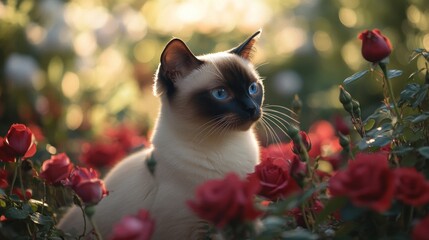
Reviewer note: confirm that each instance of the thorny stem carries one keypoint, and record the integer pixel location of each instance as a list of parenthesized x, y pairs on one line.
[(84, 222), (21, 182), (94, 226), (17, 165), (390, 89)]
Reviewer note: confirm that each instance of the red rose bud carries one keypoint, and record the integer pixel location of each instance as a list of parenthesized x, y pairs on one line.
[(18, 192), (275, 179), (367, 182), (375, 46), (298, 215), (17, 143), (411, 187), (298, 168), (86, 184), (225, 201), (138, 227), (56, 169), (296, 146), (421, 229), (3, 179)]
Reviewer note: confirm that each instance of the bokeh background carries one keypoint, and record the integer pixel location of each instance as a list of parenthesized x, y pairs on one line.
[(72, 69)]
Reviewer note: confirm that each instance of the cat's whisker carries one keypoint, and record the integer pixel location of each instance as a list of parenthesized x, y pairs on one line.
[(270, 106), (274, 135), (208, 126), (201, 129), (277, 143), (281, 113), (212, 130), (275, 119), (276, 123), (261, 123)]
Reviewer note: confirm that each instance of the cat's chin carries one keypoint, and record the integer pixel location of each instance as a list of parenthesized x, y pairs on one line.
[(245, 126)]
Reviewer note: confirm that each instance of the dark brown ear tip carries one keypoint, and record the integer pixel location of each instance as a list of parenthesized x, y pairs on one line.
[(257, 34)]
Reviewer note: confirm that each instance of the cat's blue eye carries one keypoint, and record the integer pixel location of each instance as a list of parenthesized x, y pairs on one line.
[(253, 88), (219, 93)]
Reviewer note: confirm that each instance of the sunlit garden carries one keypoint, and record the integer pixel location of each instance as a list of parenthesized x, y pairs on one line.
[(343, 133)]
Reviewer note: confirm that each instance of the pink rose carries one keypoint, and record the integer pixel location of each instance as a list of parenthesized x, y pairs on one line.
[(138, 227), (87, 185), (56, 169), (17, 143)]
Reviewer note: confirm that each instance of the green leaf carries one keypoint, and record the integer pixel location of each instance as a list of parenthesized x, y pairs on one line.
[(355, 77), (421, 118), (369, 124), (15, 213), (41, 219), (401, 150), (419, 50), (393, 73), (424, 151)]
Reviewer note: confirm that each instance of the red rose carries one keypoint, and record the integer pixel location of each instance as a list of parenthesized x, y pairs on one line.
[(296, 147), (101, 154), (367, 181), (283, 151), (17, 143), (411, 187), (86, 184), (139, 227), (127, 137), (56, 169), (341, 125), (274, 177), (375, 46), (324, 141), (421, 229), (3, 179), (225, 201)]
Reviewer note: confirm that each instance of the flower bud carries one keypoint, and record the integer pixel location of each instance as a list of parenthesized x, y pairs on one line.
[(345, 96), (292, 131), (356, 109), (375, 46), (296, 145)]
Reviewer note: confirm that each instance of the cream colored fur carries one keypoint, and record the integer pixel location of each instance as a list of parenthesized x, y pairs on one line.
[(187, 154)]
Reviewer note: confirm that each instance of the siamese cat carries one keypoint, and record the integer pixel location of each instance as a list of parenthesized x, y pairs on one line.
[(209, 105)]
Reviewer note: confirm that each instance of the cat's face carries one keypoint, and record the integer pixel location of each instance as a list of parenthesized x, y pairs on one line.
[(221, 90)]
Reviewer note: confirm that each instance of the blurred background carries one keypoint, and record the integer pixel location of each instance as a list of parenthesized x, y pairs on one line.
[(72, 69)]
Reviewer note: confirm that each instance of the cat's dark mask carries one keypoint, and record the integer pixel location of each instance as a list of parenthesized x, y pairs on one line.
[(220, 85)]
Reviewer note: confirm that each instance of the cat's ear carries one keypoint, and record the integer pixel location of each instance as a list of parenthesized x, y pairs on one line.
[(177, 61), (246, 49)]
